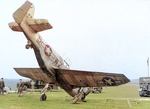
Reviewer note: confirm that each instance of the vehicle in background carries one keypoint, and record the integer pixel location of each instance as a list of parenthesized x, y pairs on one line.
[(8, 90), (144, 86), (39, 84), (97, 90)]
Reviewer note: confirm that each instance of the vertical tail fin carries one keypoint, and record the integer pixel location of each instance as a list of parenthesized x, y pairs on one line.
[(26, 13), (26, 10)]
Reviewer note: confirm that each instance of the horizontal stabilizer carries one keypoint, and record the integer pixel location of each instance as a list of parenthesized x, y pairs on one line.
[(36, 24), (39, 24), (33, 73), (15, 27)]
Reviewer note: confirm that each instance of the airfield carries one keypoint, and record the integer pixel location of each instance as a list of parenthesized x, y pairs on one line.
[(119, 97)]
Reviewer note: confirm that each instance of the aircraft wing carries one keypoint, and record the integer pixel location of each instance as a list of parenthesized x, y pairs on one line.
[(90, 79), (33, 73), (76, 78)]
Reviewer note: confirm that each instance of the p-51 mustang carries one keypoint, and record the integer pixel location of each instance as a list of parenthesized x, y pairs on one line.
[(53, 69)]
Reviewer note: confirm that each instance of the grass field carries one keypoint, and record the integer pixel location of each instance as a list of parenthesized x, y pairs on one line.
[(121, 97)]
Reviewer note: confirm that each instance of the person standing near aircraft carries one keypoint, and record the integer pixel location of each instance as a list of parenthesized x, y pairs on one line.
[(2, 85), (32, 85), (20, 86)]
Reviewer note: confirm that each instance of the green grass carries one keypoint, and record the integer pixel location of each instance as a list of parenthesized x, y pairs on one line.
[(117, 99)]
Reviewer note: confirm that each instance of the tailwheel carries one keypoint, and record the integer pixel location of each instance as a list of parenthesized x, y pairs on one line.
[(43, 97), (75, 99), (27, 46)]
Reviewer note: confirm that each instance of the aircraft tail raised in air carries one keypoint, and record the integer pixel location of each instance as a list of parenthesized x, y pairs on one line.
[(26, 12)]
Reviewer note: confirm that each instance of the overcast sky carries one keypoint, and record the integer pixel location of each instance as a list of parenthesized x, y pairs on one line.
[(96, 35)]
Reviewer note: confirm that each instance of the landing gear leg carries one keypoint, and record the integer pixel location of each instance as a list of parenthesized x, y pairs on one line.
[(76, 97), (43, 92), (81, 95), (85, 94)]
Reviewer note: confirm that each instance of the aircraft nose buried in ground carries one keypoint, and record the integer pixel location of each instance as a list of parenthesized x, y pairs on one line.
[(53, 69)]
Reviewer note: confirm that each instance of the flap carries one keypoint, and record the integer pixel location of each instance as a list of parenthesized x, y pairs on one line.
[(91, 79)]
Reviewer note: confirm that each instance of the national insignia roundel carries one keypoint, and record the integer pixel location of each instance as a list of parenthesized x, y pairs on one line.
[(109, 81), (47, 50)]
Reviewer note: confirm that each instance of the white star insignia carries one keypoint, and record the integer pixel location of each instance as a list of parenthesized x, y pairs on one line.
[(48, 51), (108, 81)]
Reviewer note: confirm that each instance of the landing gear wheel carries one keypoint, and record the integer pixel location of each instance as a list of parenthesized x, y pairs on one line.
[(83, 97), (141, 95), (75, 99), (43, 97), (27, 46), (49, 88)]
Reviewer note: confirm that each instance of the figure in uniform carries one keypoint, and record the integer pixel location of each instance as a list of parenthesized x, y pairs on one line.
[(2, 85), (20, 86), (32, 85)]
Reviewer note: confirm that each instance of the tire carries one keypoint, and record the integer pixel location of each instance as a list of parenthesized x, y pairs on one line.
[(43, 97), (27, 46)]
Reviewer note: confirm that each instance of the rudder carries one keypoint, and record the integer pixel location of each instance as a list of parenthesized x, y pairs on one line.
[(26, 10)]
